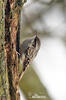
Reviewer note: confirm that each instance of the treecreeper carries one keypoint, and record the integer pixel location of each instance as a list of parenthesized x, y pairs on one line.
[(28, 51)]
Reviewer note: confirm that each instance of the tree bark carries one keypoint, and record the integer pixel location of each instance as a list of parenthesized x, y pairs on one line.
[(12, 34), (9, 46)]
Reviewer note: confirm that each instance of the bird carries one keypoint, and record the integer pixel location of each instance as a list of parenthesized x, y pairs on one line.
[(28, 51)]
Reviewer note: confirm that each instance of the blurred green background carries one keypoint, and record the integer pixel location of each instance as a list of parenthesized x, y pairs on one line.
[(32, 86)]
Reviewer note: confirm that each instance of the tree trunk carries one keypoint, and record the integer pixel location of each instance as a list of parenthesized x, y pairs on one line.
[(11, 28), (9, 47), (12, 34)]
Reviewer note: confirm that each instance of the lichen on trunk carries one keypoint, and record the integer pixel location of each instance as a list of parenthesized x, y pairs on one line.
[(2, 50)]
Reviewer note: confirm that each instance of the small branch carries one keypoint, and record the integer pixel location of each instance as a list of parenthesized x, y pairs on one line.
[(21, 75)]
